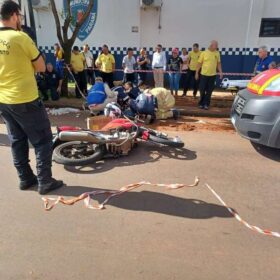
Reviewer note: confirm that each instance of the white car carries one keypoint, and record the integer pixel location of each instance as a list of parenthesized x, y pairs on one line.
[(234, 84)]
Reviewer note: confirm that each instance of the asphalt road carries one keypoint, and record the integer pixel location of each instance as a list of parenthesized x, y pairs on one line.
[(150, 233)]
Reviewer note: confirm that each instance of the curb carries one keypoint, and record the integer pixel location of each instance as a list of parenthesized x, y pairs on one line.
[(214, 112)]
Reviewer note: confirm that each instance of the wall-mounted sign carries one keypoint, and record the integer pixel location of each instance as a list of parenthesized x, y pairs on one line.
[(78, 9), (135, 29)]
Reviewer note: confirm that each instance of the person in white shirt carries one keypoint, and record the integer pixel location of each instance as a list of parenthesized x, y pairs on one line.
[(128, 64), (185, 67), (159, 66), (89, 65)]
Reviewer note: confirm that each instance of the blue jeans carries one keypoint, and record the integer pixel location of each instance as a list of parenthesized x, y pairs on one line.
[(174, 81), (29, 121)]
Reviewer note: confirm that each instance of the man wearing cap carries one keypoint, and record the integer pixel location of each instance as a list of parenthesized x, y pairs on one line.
[(20, 106)]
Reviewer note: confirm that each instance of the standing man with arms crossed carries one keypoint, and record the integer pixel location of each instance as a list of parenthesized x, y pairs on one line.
[(106, 65), (159, 66), (20, 107), (208, 62)]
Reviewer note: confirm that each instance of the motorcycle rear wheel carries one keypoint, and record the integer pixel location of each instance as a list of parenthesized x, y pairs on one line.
[(76, 153)]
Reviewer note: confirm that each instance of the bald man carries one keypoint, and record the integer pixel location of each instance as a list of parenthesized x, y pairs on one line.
[(208, 62)]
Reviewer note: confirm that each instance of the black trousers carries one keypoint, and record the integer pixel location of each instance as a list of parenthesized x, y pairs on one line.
[(29, 122), (129, 77), (189, 80), (108, 78), (184, 81), (206, 87), (142, 78), (90, 76), (81, 80)]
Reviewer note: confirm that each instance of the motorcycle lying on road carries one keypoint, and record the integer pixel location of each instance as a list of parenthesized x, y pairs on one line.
[(74, 146)]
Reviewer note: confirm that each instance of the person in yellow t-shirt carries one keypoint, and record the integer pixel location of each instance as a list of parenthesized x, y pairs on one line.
[(20, 106), (105, 62), (78, 69), (208, 63), (192, 61), (59, 56)]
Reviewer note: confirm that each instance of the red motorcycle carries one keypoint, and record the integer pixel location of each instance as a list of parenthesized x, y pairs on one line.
[(75, 146)]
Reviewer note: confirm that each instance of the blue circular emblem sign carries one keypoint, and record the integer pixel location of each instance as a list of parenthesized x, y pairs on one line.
[(78, 9)]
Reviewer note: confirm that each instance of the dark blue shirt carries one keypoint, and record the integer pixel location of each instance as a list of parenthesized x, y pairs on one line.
[(263, 64), (52, 79)]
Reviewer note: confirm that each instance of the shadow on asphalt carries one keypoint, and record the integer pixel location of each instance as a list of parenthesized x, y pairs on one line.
[(270, 153), (146, 153), (4, 140), (147, 201)]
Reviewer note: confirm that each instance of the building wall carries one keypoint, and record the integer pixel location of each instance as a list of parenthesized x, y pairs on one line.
[(234, 23)]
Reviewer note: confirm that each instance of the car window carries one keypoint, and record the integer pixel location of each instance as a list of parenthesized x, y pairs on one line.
[(274, 85)]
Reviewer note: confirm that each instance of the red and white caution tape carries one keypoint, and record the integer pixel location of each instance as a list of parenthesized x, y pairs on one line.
[(239, 219), (50, 203), (167, 71)]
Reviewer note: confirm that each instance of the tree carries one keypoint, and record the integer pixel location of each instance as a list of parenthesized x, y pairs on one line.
[(62, 32)]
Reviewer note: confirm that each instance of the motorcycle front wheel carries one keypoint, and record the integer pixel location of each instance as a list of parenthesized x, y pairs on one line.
[(167, 141), (76, 153)]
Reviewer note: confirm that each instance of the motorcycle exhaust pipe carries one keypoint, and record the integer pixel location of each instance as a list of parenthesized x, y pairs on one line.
[(84, 136)]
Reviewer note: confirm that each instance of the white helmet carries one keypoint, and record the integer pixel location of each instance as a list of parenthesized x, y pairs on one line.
[(112, 110)]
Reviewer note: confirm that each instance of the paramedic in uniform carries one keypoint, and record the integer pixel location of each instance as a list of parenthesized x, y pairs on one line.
[(20, 106), (209, 61)]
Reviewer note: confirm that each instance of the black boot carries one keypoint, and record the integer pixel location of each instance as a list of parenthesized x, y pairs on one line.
[(53, 185), (24, 185)]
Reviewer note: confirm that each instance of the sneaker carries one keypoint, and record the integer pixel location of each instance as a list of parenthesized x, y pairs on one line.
[(53, 185), (201, 106), (25, 185), (206, 108)]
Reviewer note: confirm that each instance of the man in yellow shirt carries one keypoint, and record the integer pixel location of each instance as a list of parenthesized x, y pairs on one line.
[(192, 62), (59, 57), (106, 64), (208, 62), (78, 68), (20, 107)]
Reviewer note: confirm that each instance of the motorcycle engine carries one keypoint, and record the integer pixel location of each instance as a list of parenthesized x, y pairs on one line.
[(121, 144)]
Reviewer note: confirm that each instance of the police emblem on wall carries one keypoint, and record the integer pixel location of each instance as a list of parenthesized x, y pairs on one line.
[(78, 9)]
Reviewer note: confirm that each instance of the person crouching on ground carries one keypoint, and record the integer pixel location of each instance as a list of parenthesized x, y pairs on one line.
[(126, 93), (175, 64), (145, 105), (99, 96), (165, 104), (52, 82)]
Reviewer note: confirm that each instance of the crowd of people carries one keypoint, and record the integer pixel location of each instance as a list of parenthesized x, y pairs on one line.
[(196, 69)]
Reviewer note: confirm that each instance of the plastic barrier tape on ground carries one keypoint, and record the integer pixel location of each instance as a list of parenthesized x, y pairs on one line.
[(239, 219), (50, 203)]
